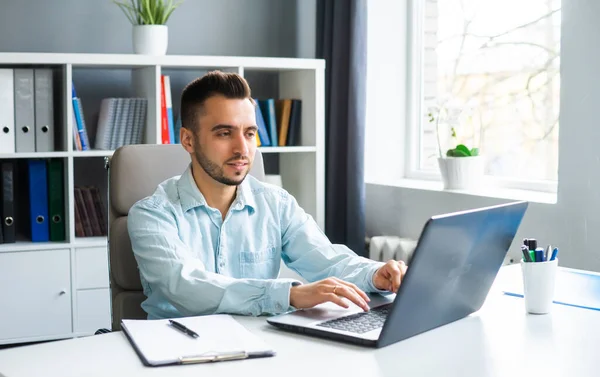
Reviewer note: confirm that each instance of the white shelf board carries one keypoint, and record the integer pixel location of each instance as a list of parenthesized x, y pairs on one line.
[(287, 149), (92, 153), (34, 155), (167, 61), (89, 241), (32, 246)]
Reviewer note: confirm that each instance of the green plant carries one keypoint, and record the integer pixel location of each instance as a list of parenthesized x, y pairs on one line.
[(462, 151), (148, 12), (452, 117)]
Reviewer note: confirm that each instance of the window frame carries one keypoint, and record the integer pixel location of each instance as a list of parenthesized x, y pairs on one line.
[(414, 111)]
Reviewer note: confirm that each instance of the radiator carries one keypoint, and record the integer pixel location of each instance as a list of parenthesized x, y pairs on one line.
[(384, 248)]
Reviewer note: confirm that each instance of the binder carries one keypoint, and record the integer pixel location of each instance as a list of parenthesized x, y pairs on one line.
[(221, 338), (106, 123), (24, 111), (44, 110), (38, 200), (56, 202), (7, 111), (7, 209)]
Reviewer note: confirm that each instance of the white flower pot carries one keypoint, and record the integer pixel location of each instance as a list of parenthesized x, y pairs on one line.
[(150, 39), (459, 173)]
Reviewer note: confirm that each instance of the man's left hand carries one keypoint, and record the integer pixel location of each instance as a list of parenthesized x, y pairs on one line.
[(389, 276)]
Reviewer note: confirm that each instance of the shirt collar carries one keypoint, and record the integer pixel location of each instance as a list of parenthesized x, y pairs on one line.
[(191, 197)]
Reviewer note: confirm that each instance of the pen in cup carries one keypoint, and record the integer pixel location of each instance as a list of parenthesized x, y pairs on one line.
[(532, 253), (554, 253), (526, 255)]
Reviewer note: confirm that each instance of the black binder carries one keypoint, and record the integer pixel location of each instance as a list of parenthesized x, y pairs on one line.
[(7, 210)]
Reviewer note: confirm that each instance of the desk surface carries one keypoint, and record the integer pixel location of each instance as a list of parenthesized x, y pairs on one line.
[(499, 340)]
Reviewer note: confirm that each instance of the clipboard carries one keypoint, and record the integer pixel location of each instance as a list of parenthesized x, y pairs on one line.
[(221, 338)]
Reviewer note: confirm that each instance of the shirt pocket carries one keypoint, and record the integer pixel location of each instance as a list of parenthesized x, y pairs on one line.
[(260, 264)]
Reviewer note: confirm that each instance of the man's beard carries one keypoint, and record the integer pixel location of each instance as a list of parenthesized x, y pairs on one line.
[(216, 172)]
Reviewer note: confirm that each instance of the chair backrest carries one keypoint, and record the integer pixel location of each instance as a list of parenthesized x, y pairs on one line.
[(135, 171)]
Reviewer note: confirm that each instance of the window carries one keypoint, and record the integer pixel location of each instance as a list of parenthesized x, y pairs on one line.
[(498, 59)]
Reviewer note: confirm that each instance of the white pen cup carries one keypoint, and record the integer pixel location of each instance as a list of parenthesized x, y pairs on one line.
[(538, 285)]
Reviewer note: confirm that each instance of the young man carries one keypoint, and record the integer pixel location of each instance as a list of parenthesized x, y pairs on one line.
[(211, 240)]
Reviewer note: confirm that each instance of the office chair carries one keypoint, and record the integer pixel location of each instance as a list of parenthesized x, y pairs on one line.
[(134, 172)]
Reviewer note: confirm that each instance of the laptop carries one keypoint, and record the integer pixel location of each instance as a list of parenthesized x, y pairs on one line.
[(455, 262)]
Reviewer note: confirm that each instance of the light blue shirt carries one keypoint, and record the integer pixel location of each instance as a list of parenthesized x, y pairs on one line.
[(192, 262)]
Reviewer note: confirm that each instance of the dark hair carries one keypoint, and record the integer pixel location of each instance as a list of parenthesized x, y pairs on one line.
[(230, 85)]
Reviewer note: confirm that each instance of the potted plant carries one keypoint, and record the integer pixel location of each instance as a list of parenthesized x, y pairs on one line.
[(461, 167), (149, 18)]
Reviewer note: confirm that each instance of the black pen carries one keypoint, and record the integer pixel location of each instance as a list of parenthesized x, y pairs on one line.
[(183, 329)]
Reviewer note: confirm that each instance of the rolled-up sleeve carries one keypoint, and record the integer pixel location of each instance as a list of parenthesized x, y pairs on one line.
[(168, 265), (308, 251)]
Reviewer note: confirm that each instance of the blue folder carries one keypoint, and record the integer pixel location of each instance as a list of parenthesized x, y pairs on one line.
[(38, 200), (573, 288)]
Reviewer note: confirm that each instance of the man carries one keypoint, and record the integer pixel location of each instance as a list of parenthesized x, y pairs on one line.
[(211, 241)]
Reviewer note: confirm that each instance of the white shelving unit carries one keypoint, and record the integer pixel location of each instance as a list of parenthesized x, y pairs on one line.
[(58, 290)]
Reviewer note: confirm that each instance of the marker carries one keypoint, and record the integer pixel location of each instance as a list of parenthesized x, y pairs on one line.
[(532, 243), (539, 254), (526, 255)]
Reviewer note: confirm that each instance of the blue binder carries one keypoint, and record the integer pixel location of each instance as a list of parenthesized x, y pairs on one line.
[(38, 200), (572, 288)]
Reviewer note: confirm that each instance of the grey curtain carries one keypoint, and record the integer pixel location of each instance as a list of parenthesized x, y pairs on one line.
[(342, 42)]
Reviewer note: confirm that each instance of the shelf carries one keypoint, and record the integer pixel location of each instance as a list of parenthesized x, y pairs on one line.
[(31, 246), (93, 153), (102, 153), (287, 149), (34, 155), (166, 61), (89, 241)]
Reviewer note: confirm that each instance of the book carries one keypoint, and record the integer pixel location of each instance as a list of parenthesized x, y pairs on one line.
[(283, 109), (293, 136), (169, 108), (80, 120), (164, 120), (263, 134), (267, 107)]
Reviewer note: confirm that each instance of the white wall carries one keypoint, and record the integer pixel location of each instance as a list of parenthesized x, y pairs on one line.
[(573, 223), (202, 27)]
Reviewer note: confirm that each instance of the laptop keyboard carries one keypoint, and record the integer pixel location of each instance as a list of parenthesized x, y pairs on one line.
[(360, 323)]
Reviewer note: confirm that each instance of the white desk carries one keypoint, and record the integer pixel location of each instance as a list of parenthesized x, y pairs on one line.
[(499, 340)]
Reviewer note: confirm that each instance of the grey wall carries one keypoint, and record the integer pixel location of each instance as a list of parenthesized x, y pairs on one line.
[(202, 27), (573, 223)]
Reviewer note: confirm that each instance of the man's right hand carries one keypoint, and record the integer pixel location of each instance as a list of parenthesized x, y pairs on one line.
[(330, 289)]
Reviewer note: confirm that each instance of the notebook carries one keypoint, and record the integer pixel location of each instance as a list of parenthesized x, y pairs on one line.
[(220, 338), (572, 288)]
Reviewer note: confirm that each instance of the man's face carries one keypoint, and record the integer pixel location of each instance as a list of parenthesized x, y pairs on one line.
[(225, 141)]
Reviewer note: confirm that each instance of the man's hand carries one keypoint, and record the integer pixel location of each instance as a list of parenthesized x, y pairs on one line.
[(330, 289), (389, 276)]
